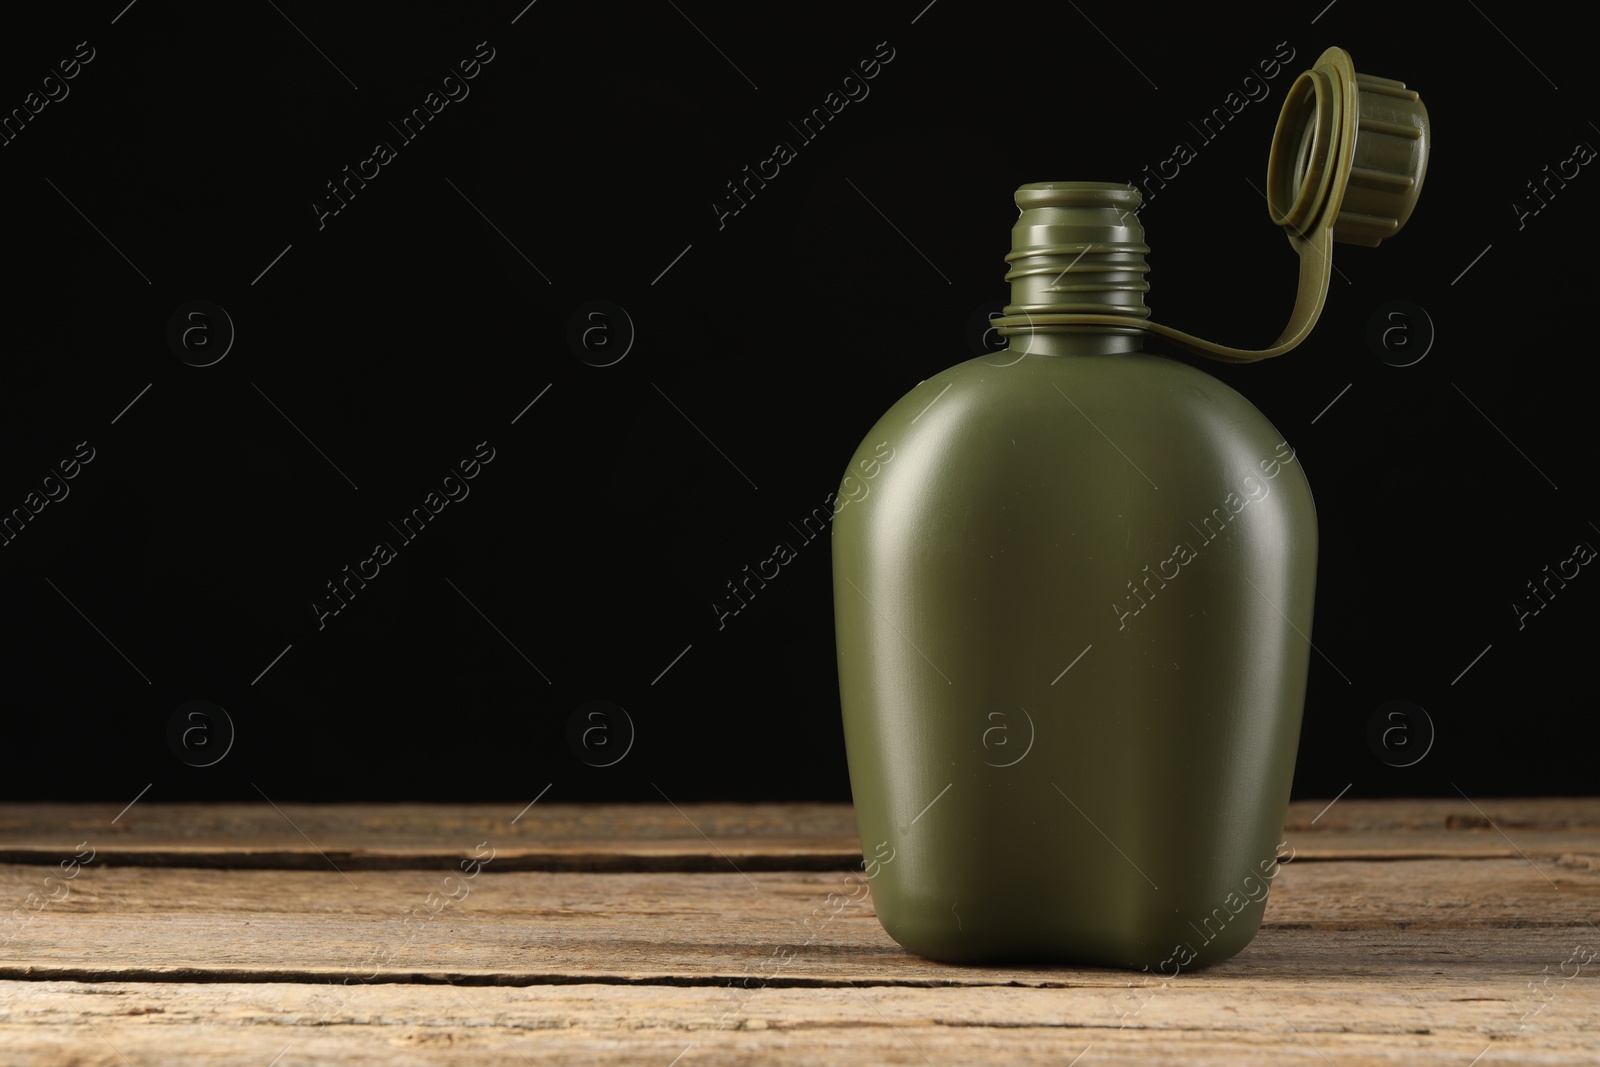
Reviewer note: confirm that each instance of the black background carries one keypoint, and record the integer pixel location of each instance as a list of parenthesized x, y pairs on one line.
[(411, 326)]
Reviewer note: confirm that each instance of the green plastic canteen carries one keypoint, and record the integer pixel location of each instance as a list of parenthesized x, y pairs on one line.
[(1074, 614)]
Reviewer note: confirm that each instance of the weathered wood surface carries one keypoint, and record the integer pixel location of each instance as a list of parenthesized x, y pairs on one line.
[(1188, 1022), (134, 922), (399, 836), (1403, 932), (554, 836)]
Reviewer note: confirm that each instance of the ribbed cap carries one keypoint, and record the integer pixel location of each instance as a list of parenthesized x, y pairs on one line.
[(1351, 139), (1391, 159)]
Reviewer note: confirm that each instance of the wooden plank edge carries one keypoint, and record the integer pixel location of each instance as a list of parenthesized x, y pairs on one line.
[(622, 858), (611, 860)]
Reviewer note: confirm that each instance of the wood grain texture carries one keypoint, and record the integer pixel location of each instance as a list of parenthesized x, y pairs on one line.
[(691, 837), (1192, 1021), (599, 837), (1402, 932), (534, 926)]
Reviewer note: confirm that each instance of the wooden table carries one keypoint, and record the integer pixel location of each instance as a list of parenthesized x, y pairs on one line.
[(1403, 932)]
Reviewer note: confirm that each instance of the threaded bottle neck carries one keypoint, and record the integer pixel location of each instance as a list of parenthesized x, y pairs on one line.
[(1077, 249)]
